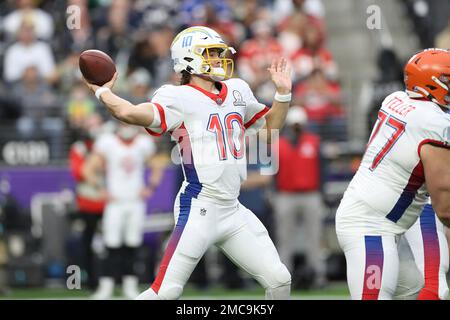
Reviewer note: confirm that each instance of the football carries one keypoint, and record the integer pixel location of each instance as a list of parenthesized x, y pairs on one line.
[(96, 66)]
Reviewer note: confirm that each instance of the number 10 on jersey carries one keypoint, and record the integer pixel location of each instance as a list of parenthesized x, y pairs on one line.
[(225, 132)]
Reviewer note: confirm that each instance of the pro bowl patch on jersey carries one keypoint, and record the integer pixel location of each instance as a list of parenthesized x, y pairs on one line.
[(238, 100)]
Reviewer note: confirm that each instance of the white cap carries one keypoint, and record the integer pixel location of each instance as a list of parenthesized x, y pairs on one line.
[(140, 77), (296, 115)]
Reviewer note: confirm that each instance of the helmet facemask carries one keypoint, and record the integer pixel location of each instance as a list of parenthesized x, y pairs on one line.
[(444, 82), (217, 68)]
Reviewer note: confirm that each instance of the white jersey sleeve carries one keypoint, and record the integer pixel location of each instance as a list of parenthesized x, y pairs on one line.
[(254, 119), (167, 109), (435, 131)]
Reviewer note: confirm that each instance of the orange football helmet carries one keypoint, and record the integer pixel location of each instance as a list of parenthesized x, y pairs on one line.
[(427, 74)]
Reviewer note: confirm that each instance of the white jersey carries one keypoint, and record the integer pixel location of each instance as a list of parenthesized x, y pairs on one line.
[(209, 129), (390, 180), (125, 164)]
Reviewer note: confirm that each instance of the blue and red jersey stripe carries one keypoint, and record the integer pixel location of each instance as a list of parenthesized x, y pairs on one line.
[(373, 272), (415, 181), (191, 191)]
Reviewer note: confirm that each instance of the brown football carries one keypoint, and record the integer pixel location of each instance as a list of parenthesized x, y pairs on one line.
[(96, 66)]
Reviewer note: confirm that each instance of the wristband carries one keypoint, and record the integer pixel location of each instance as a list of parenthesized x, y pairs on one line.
[(101, 90), (283, 97)]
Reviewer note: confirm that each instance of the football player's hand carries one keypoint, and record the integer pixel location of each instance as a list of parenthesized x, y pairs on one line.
[(109, 84), (280, 72)]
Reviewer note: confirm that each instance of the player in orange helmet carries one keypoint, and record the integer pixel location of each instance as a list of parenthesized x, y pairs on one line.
[(405, 164), (427, 75)]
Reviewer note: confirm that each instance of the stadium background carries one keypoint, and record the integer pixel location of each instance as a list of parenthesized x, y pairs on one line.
[(345, 61)]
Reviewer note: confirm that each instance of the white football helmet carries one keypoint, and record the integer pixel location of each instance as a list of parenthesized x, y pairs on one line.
[(188, 53)]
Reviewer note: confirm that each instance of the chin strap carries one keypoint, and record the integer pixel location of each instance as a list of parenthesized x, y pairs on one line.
[(425, 94)]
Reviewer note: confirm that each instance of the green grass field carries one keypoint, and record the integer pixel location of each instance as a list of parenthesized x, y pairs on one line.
[(334, 291)]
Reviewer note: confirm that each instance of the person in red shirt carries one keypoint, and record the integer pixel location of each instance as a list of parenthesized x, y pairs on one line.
[(313, 55), (322, 101), (320, 98), (90, 201), (256, 55), (298, 185)]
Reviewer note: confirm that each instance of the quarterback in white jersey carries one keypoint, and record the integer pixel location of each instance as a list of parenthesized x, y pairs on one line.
[(209, 116), (123, 156), (406, 161)]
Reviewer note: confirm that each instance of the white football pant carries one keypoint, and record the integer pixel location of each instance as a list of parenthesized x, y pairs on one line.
[(123, 223), (231, 227)]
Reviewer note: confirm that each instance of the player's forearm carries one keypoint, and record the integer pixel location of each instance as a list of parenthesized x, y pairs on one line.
[(127, 112), (275, 117)]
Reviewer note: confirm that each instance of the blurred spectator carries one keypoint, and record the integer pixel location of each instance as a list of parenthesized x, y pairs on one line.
[(292, 18), (27, 51), (443, 38), (81, 37), (390, 68), (114, 36), (40, 113), (152, 52), (322, 102), (313, 8), (141, 54), (193, 12), (162, 65), (139, 86), (389, 79), (156, 13), (27, 12), (245, 14), (255, 56), (299, 12), (67, 73), (34, 95), (313, 56), (225, 27), (298, 185), (428, 18), (90, 201), (290, 37), (79, 106)]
